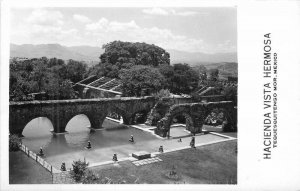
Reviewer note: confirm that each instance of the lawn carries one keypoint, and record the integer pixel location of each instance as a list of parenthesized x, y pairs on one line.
[(24, 170), (211, 164)]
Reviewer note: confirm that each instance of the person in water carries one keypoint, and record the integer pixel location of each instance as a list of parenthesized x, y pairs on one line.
[(89, 146), (131, 139)]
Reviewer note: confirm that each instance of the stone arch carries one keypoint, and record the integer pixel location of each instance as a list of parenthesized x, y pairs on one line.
[(163, 125), (188, 121), (197, 112), (140, 116), (18, 123)]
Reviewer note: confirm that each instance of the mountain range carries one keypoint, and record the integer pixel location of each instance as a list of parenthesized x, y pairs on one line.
[(91, 54)]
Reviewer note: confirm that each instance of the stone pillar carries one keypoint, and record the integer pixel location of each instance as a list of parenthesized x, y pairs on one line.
[(96, 120), (127, 120), (59, 124)]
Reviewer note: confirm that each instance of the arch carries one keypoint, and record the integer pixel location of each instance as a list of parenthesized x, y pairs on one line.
[(114, 119), (188, 120), (140, 117), (229, 123), (197, 113), (77, 123), (37, 126), (163, 125)]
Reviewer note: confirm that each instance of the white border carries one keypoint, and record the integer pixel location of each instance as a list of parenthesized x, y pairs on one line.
[(255, 18)]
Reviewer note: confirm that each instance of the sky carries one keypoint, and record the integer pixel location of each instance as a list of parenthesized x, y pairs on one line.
[(207, 30)]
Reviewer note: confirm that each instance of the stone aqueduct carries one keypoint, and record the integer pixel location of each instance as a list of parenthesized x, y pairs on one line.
[(60, 112), (195, 114)]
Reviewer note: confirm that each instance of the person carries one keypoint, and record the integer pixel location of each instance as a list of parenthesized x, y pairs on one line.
[(131, 139), (41, 153), (89, 146), (115, 158), (180, 140), (63, 167), (192, 143), (161, 149)]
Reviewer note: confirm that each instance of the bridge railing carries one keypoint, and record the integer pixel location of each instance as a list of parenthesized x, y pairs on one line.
[(37, 158)]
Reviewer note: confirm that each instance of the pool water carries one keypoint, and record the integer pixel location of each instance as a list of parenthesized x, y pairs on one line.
[(112, 139)]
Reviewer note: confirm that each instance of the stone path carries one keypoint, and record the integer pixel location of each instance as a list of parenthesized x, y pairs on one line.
[(146, 161)]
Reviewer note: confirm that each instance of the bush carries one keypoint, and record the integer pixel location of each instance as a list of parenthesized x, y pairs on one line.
[(14, 142), (90, 178), (79, 170), (161, 94)]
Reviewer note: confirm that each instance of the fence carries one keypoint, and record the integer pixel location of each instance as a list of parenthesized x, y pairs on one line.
[(37, 158)]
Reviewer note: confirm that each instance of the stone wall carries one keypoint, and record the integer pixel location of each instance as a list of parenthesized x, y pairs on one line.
[(60, 112), (161, 107)]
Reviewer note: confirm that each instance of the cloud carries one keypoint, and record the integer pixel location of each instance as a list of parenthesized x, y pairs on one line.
[(165, 12), (186, 13), (44, 26), (45, 17), (105, 31), (155, 11), (81, 18)]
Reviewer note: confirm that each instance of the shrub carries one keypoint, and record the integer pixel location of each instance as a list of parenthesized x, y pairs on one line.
[(14, 142), (79, 168), (90, 177), (161, 94)]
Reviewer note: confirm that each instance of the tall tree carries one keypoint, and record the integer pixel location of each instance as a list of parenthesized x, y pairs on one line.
[(141, 80), (119, 55), (185, 79)]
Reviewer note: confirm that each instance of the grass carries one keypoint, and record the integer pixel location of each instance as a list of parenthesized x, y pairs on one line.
[(211, 164), (24, 170)]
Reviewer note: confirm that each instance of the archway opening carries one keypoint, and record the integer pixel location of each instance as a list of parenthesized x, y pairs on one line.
[(140, 117), (215, 120), (78, 132), (181, 125), (38, 127), (113, 120), (78, 123), (37, 133)]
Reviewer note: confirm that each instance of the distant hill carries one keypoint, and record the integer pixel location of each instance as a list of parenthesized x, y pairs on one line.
[(91, 54), (225, 68), (80, 53), (196, 58)]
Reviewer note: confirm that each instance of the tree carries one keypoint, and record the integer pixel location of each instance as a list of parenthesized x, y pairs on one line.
[(14, 142), (168, 72), (141, 80), (214, 74), (79, 170), (202, 72), (75, 70), (135, 53), (60, 89), (123, 55), (185, 79), (230, 94)]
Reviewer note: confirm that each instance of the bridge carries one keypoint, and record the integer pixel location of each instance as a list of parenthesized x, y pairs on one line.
[(60, 112), (195, 114)]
